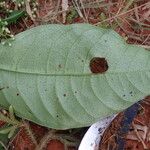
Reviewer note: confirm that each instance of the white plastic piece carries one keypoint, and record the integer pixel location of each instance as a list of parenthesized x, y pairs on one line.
[(93, 136)]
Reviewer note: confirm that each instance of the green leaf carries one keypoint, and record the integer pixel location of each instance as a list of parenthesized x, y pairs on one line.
[(3, 141), (6, 130), (12, 132), (3, 137), (46, 76), (11, 113), (14, 16)]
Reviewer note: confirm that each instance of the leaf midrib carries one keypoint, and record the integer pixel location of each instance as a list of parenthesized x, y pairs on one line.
[(76, 74)]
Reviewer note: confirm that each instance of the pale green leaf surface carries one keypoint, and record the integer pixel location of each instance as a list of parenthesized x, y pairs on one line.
[(47, 79)]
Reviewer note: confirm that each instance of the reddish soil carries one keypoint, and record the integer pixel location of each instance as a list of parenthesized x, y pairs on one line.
[(55, 145), (138, 136), (23, 140)]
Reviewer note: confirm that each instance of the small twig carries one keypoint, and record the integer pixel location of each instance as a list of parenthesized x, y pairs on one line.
[(145, 46), (128, 5), (28, 9), (64, 9), (118, 15), (146, 15), (77, 7), (109, 138), (139, 137), (86, 18), (3, 145), (14, 137), (146, 39), (29, 132), (52, 135), (45, 140), (57, 7), (136, 13)]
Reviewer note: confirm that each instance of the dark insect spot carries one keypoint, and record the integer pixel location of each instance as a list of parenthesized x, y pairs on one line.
[(105, 41), (82, 60), (17, 94), (91, 144), (98, 65), (131, 129), (131, 92), (75, 91), (7, 87), (2, 88), (60, 66), (100, 130), (57, 116), (124, 95), (64, 95)]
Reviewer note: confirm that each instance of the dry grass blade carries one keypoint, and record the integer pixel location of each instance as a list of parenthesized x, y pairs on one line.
[(144, 46), (77, 7), (86, 17), (128, 5), (28, 9), (52, 135), (1, 143), (65, 7), (139, 137), (147, 15), (29, 132), (121, 14), (45, 140)]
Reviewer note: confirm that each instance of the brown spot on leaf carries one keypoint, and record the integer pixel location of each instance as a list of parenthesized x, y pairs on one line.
[(98, 65)]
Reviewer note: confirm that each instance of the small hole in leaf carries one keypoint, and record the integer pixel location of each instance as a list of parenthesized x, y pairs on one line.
[(98, 65)]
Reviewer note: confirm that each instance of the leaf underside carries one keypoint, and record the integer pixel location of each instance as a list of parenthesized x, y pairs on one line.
[(45, 75)]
